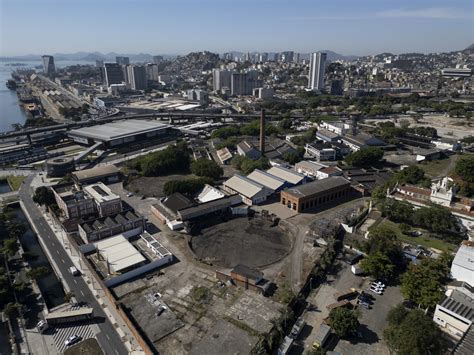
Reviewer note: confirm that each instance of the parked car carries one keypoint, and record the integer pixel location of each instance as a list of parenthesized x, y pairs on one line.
[(376, 290), (73, 339), (377, 285)]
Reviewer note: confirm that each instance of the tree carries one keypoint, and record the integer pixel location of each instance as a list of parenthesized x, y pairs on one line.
[(291, 157), (397, 314), (285, 123), (208, 168), (365, 157), (411, 175), (413, 333), (344, 321), (398, 211), (378, 265), (10, 309), (44, 196), (437, 219), (10, 247), (384, 240), (465, 168), (37, 272), (423, 282), (187, 187)]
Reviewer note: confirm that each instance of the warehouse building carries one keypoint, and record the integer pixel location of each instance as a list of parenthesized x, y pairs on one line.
[(252, 193), (119, 132), (273, 183), (316, 194), (107, 174), (291, 177)]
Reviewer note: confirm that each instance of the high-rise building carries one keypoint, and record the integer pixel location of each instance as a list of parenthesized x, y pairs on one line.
[(99, 63), (221, 78), (263, 57), (296, 58), (337, 87), (137, 77), (112, 74), (122, 60), (152, 72), (48, 65), (157, 59), (287, 57), (317, 67), (244, 83)]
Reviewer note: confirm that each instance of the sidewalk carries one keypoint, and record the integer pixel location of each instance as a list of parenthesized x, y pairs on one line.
[(109, 309)]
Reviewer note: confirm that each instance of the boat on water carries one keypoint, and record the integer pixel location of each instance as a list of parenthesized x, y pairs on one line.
[(11, 84)]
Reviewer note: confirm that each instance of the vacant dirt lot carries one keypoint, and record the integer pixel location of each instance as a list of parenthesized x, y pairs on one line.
[(253, 242), (151, 186)]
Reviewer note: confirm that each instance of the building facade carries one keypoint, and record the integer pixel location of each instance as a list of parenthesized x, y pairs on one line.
[(316, 194), (48, 65), (136, 76), (317, 67), (113, 74)]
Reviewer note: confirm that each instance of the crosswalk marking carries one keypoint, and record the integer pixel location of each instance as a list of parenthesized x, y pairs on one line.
[(63, 331)]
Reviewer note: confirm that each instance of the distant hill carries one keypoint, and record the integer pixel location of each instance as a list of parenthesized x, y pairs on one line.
[(469, 49)]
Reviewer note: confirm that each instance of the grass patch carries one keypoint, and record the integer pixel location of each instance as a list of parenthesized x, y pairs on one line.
[(88, 347), (284, 294), (425, 240), (15, 181), (436, 168), (329, 118), (201, 294)]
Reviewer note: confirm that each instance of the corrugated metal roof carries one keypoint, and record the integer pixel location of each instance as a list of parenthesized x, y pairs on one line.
[(119, 129), (119, 253), (461, 304), (465, 257), (286, 174), (266, 179), (243, 186)]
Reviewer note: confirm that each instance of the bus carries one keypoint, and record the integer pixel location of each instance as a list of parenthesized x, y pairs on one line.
[(59, 317)]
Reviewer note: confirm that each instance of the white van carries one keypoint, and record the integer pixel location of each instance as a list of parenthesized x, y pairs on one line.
[(74, 271), (42, 326)]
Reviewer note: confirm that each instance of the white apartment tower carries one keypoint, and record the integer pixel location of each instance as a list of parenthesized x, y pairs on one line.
[(317, 66)]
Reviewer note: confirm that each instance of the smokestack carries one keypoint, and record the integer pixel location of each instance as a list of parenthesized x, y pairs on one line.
[(262, 132)]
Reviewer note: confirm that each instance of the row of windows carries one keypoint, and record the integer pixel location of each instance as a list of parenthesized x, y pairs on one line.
[(324, 199)]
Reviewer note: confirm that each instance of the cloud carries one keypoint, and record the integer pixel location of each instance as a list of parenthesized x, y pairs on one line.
[(433, 12)]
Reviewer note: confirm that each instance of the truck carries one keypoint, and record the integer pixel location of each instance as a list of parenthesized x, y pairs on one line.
[(343, 295), (321, 336), (357, 269)]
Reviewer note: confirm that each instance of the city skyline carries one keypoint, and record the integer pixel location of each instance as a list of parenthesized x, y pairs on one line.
[(167, 27)]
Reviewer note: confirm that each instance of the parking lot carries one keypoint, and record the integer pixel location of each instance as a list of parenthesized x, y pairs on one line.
[(373, 320)]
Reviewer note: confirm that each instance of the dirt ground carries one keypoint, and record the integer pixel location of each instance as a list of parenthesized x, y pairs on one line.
[(151, 186), (241, 241)]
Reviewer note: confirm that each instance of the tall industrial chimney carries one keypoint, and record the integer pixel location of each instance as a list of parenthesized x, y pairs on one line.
[(262, 132)]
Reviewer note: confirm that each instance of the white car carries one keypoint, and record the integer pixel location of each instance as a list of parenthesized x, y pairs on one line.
[(73, 339), (377, 284), (376, 290)]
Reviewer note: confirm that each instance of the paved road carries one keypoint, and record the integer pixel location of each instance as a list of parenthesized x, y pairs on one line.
[(108, 337)]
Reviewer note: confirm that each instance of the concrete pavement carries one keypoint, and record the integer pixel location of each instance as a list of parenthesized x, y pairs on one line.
[(108, 337)]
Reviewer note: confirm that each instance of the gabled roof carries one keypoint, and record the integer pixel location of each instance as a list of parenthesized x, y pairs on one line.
[(286, 174), (317, 186), (266, 179), (244, 186)]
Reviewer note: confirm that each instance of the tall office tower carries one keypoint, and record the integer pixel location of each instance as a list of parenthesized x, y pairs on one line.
[(122, 60), (157, 59), (286, 57), (296, 58), (137, 77), (227, 56), (246, 57), (152, 72), (263, 57), (337, 87), (99, 63), (221, 78), (112, 74), (276, 56), (48, 65), (317, 66)]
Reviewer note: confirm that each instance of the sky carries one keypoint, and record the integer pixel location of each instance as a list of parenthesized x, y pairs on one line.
[(350, 27)]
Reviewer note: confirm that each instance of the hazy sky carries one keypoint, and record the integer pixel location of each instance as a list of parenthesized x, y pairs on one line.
[(180, 26)]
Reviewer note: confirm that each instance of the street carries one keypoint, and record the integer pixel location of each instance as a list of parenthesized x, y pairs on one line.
[(107, 337)]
